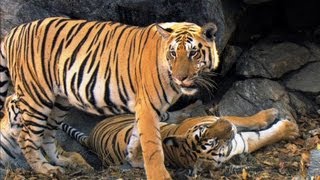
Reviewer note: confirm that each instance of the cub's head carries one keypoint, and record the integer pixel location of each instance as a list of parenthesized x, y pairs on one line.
[(209, 142), (191, 54)]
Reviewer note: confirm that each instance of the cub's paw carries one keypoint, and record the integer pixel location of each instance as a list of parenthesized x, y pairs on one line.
[(136, 162), (74, 161), (50, 170), (267, 117), (289, 130)]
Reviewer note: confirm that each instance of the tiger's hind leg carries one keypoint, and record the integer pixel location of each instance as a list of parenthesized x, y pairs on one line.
[(258, 121), (55, 153), (34, 118)]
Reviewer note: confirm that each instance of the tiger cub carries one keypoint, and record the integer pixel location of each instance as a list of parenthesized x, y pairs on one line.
[(197, 143)]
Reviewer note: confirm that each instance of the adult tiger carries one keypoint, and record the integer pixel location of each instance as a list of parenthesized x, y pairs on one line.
[(199, 143), (104, 68)]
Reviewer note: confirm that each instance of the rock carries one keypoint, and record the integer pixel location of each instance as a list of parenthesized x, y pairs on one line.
[(301, 104), (306, 80), (134, 12), (271, 59), (3, 173), (252, 95), (314, 167), (229, 57), (318, 100), (15, 12), (255, 1)]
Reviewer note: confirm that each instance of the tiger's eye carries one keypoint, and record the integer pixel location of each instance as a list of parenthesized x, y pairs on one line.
[(193, 53), (173, 53)]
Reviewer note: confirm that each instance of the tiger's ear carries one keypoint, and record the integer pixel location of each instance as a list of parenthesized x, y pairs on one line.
[(209, 31), (165, 33), (175, 141)]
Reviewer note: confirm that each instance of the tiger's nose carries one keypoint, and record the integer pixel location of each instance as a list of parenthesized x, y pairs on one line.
[(181, 77)]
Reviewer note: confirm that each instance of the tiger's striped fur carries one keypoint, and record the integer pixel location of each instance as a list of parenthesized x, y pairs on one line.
[(197, 143), (11, 120), (104, 68), (10, 125)]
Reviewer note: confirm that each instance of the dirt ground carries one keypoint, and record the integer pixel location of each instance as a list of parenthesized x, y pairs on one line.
[(284, 160)]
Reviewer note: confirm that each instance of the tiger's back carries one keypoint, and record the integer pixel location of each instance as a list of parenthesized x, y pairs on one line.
[(68, 58)]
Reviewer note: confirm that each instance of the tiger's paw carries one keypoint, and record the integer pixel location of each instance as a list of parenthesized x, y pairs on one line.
[(266, 117), (48, 169), (134, 157), (136, 162), (74, 161), (158, 173), (289, 130)]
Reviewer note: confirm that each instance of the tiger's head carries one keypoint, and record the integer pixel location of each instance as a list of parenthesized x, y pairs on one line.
[(191, 54), (208, 142)]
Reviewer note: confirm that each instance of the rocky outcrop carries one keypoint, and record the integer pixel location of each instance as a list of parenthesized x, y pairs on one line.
[(250, 96), (133, 12), (273, 59), (306, 80), (290, 65)]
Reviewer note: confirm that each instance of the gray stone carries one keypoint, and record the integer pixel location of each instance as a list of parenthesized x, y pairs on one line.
[(255, 1), (229, 57), (301, 104), (272, 60), (314, 50), (314, 167), (133, 12), (250, 96), (318, 100), (306, 80)]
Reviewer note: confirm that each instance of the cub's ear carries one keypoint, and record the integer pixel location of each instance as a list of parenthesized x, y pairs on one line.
[(209, 31), (165, 33), (175, 141)]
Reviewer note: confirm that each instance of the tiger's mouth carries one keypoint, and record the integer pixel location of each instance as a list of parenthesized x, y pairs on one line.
[(188, 90), (186, 85)]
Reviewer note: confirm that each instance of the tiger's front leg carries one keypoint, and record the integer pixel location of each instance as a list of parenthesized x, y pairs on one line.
[(257, 121), (147, 122)]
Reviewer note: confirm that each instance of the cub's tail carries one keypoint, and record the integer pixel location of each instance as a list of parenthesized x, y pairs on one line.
[(74, 133)]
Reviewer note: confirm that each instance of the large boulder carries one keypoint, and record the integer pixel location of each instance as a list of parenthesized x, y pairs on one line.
[(252, 95), (306, 79), (270, 59)]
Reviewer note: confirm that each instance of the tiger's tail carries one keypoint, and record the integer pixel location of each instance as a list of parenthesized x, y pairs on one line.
[(74, 133), (4, 75)]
